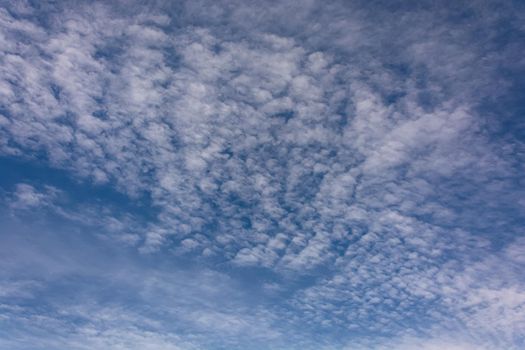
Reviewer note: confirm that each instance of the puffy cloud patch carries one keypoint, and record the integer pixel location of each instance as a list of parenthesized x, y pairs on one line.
[(344, 149)]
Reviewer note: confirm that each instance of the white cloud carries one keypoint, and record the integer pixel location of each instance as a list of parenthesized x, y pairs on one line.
[(322, 143), (26, 197)]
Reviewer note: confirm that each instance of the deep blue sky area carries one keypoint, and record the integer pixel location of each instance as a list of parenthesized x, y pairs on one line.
[(179, 175)]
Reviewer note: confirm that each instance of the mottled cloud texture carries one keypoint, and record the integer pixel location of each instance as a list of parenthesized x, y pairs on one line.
[(262, 175)]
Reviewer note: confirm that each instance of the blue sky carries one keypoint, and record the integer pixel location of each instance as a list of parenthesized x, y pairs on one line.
[(180, 175)]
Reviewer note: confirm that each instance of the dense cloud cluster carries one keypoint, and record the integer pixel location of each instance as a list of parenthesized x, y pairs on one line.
[(343, 145)]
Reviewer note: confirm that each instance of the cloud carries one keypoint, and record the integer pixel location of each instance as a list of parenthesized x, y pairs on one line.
[(435, 344), (344, 149), (26, 197), (91, 297)]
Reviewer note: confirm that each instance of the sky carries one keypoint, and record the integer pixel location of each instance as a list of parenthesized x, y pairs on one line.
[(314, 174)]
